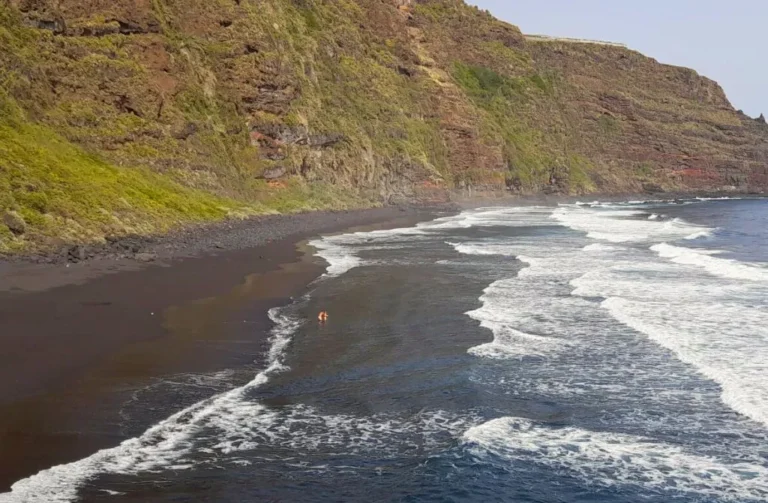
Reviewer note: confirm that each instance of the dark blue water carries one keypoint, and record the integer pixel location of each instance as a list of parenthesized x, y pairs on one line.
[(741, 226), (580, 353)]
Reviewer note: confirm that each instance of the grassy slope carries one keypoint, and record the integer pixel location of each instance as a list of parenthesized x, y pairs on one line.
[(520, 105), (66, 194), (139, 133), (84, 170)]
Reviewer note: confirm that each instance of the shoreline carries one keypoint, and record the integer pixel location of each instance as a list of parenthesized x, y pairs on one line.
[(39, 272), (130, 252), (78, 340)]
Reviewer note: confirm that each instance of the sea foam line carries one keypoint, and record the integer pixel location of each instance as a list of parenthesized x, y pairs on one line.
[(160, 446), (723, 267), (625, 225), (708, 320), (341, 251), (742, 387), (611, 459)]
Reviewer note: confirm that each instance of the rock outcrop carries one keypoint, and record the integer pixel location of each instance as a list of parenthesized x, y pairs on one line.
[(350, 103), (14, 222)]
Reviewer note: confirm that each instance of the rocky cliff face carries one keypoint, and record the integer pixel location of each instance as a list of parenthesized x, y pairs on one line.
[(171, 111)]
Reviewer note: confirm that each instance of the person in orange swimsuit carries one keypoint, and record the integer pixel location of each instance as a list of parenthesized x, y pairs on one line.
[(322, 317)]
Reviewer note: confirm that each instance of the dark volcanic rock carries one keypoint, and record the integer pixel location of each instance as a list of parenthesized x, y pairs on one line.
[(146, 257), (652, 188), (77, 253), (274, 173), (325, 140)]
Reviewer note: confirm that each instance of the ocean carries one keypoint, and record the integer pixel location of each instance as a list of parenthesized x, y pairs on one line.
[(589, 352)]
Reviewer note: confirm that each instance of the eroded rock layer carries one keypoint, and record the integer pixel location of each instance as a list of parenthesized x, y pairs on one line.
[(172, 111)]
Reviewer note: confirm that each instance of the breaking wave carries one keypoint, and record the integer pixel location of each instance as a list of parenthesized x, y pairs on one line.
[(163, 446), (705, 259), (613, 459)]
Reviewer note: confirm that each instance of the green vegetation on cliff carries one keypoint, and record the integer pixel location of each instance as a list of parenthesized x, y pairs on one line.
[(122, 116), (63, 194)]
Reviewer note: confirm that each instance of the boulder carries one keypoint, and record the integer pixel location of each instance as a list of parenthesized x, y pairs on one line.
[(325, 140), (77, 253), (273, 173), (146, 257), (275, 135), (14, 222), (652, 188)]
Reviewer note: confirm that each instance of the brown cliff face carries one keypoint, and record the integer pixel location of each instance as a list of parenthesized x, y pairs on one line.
[(300, 104), (667, 122)]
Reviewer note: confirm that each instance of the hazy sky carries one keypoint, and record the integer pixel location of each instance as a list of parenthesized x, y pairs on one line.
[(725, 40)]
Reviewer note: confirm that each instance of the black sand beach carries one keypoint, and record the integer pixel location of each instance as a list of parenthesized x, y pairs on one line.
[(78, 339)]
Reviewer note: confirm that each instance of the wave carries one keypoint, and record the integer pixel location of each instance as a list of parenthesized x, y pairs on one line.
[(699, 235), (705, 315), (482, 249), (695, 333), (501, 313), (162, 446), (341, 251), (709, 321), (718, 266), (304, 429), (520, 311), (700, 306), (614, 459), (624, 225), (340, 258), (514, 317), (725, 198)]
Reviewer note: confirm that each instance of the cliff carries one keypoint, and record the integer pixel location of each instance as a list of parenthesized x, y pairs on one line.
[(136, 116)]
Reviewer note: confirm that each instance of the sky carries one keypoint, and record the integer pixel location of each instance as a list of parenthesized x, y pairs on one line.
[(724, 40)]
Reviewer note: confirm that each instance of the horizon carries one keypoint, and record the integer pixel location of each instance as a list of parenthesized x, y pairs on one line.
[(677, 33)]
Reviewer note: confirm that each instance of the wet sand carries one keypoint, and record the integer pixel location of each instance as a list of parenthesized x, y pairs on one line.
[(77, 343)]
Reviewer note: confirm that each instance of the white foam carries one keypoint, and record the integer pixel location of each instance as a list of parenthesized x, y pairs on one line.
[(504, 313), (623, 225), (482, 249), (339, 257), (726, 343), (520, 311), (723, 267), (613, 459), (341, 251), (515, 316), (699, 235), (695, 304), (161, 446), (700, 307), (303, 429), (508, 341), (504, 216), (599, 247)]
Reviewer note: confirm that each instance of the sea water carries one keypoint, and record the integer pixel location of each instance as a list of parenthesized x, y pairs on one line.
[(609, 352)]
